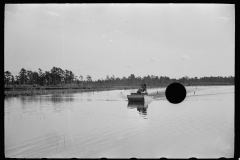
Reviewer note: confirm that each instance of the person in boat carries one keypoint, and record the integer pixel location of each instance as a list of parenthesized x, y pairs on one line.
[(142, 89)]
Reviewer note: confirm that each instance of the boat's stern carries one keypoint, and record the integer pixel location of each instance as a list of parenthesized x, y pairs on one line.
[(134, 97)]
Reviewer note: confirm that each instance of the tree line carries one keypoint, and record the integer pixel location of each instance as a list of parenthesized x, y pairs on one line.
[(57, 76)]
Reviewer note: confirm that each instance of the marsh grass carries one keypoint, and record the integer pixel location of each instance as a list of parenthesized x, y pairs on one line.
[(31, 90)]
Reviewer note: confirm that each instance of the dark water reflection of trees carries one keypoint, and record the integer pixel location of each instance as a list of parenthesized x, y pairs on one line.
[(57, 103), (57, 98)]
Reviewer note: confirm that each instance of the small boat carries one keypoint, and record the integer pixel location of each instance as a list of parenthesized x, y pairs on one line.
[(135, 97)]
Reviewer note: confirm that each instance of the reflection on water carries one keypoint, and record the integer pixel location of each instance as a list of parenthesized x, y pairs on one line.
[(140, 106), (55, 102), (55, 98), (58, 98)]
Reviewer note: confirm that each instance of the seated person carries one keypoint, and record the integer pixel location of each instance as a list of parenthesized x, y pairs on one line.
[(142, 89)]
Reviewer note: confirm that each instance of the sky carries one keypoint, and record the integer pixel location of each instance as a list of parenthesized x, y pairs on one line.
[(174, 40)]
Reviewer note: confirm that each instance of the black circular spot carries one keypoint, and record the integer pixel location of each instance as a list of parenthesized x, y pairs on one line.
[(175, 93)]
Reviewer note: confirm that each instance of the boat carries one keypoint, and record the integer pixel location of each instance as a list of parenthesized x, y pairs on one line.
[(135, 97)]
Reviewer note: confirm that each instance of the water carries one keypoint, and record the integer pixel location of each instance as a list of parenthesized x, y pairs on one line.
[(103, 124)]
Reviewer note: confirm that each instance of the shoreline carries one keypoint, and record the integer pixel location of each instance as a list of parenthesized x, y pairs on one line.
[(15, 92)]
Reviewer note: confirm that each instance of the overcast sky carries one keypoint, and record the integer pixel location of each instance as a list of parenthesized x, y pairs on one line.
[(171, 40)]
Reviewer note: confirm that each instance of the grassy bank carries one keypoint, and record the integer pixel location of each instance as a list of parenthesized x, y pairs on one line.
[(14, 91), (27, 91)]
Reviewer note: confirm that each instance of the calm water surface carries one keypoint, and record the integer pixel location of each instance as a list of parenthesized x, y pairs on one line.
[(103, 124)]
